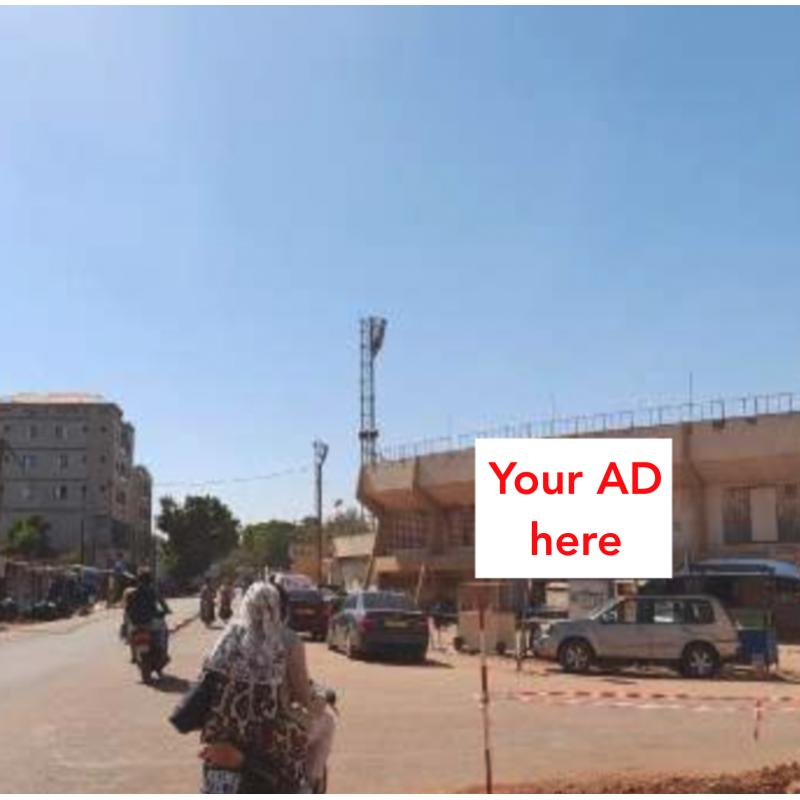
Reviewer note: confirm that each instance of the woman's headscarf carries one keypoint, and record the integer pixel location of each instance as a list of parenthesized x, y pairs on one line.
[(252, 648)]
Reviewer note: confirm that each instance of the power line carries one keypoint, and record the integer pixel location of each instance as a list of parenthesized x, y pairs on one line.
[(246, 479)]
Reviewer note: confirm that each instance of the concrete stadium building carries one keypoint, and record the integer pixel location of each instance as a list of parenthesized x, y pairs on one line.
[(736, 489)]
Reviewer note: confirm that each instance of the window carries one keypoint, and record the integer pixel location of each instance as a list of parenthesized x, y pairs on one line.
[(388, 601), (408, 531), (737, 524), (698, 612), (33, 431), (787, 503), (25, 493), (60, 492), (7, 428), (63, 462), (60, 432), (621, 613), (351, 602), (462, 527), (28, 463), (667, 612)]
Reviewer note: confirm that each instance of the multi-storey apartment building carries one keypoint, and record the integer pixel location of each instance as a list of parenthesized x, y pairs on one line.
[(736, 490), (69, 458), (140, 515)]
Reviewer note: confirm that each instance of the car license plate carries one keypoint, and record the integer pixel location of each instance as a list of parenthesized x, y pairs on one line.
[(391, 623), (220, 781), (305, 612)]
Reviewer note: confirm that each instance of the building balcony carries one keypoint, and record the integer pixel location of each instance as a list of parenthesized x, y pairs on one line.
[(455, 560)]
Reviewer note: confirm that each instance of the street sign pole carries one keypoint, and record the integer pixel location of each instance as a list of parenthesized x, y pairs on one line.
[(487, 748)]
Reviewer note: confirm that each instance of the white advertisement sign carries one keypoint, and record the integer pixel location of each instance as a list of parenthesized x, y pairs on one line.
[(573, 508)]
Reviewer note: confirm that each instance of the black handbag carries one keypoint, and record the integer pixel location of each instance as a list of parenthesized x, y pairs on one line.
[(193, 709)]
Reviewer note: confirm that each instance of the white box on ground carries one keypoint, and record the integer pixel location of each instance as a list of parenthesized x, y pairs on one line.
[(589, 508)]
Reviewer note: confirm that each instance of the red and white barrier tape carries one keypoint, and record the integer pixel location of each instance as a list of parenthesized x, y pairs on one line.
[(759, 711), (658, 701), (609, 694)]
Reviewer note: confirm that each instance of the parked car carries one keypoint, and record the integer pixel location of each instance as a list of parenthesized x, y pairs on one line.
[(692, 633), (290, 581), (379, 623), (309, 612)]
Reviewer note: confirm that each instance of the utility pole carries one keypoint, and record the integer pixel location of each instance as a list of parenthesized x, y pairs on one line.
[(320, 454)]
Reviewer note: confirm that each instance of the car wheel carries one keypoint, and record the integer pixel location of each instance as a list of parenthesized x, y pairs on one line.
[(576, 655), (700, 660)]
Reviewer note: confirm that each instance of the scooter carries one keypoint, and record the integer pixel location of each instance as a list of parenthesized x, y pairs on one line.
[(207, 612), (225, 607), (217, 780), (148, 649)]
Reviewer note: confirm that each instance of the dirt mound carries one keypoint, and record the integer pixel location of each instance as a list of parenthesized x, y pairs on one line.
[(781, 779)]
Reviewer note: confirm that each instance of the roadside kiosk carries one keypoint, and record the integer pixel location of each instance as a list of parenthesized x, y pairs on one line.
[(503, 602)]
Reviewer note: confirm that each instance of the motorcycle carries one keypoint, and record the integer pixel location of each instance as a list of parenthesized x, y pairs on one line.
[(225, 607), (218, 780), (148, 647), (207, 613)]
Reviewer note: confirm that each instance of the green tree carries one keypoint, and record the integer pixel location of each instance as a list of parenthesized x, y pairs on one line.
[(202, 530), (29, 538), (266, 544), (346, 522)]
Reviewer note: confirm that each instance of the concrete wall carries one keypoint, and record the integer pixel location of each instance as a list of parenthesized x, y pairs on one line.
[(761, 453)]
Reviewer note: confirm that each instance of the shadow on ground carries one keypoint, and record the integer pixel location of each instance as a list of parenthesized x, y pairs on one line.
[(172, 684)]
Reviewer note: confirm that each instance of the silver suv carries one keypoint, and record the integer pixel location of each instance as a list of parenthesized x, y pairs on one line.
[(691, 632)]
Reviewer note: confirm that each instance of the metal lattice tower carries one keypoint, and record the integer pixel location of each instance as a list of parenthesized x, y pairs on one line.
[(373, 330)]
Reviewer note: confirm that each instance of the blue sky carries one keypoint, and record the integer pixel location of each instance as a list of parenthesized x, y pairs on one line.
[(568, 205)]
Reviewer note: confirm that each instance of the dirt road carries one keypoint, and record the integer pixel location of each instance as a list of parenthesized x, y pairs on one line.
[(74, 717)]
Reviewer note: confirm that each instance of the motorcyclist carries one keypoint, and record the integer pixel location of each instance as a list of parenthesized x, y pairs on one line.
[(207, 607), (309, 699), (126, 625), (144, 607), (225, 602)]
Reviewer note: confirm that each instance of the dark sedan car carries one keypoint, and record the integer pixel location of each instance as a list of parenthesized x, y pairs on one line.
[(379, 623), (309, 612)]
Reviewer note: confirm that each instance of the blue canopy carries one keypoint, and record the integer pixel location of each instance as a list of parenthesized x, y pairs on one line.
[(742, 566)]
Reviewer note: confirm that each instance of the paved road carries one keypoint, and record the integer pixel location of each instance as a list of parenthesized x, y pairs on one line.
[(74, 717)]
